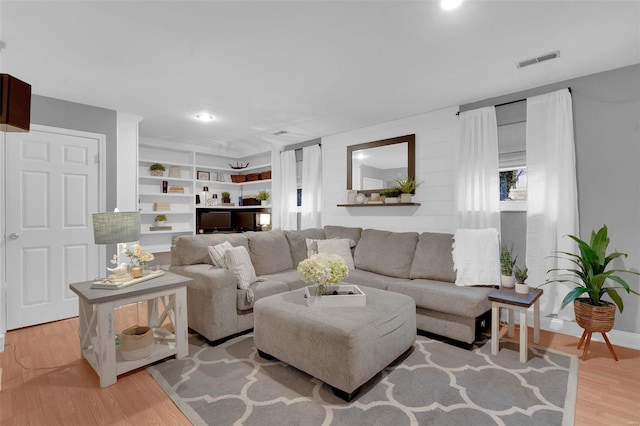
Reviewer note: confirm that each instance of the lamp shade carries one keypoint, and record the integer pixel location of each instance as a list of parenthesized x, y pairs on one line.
[(116, 227), (264, 219)]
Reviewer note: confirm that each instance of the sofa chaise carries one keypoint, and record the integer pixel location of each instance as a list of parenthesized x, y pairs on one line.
[(417, 265)]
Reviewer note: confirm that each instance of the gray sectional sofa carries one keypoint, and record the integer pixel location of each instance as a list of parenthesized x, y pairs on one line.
[(417, 265)]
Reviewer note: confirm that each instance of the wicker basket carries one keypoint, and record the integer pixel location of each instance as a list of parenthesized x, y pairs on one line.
[(265, 175), (156, 172), (136, 342), (598, 319), (253, 176), (238, 178)]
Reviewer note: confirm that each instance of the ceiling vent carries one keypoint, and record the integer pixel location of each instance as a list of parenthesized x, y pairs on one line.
[(280, 132), (541, 58)]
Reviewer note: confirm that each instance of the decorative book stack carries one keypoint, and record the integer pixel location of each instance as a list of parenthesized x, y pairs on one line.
[(176, 189), (161, 207)]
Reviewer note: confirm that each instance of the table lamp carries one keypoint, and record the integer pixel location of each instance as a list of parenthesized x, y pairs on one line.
[(116, 228), (264, 220)]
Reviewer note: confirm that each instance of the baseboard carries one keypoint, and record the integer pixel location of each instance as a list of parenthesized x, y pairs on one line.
[(570, 328)]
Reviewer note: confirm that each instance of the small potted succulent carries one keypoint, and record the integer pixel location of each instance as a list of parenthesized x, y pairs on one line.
[(391, 195), (263, 196), (407, 187), (157, 169), (160, 219), (507, 262), (226, 197), (521, 276)]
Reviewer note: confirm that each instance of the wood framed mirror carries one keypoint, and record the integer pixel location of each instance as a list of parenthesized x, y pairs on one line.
[(373, 166)]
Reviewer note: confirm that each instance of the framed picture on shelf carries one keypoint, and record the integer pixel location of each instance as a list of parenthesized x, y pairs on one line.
[(203, 175)]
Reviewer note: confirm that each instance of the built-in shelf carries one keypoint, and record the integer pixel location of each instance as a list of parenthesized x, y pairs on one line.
[(379, 205)]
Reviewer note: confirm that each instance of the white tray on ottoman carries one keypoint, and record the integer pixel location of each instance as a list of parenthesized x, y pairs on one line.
[(364, 340), (358, 298)]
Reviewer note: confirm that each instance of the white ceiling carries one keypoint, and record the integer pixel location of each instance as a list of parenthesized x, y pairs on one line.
[(310, 68)]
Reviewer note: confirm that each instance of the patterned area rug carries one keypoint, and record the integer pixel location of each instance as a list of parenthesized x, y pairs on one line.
[(436, 384)]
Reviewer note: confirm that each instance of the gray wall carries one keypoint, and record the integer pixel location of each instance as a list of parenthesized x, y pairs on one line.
[(69, 115), (606, 109)]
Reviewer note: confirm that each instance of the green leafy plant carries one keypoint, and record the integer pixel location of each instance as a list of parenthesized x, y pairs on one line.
[(520, 275), (407, 185), (391, 192), (157, 166), (264, 195), (161, 218), (507, 261), (591, 274), (225, 195)]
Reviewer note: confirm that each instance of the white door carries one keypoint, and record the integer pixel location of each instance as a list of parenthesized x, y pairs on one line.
[(53, 186)]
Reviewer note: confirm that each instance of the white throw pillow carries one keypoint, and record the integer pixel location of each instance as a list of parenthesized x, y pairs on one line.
[(238, 261), (476, 257), (339, 246), (216, 253)]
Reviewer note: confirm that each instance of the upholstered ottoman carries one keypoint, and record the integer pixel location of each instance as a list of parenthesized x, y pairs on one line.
[(343, 347)]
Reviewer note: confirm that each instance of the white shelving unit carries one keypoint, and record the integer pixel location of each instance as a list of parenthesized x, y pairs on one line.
[(187, 163)]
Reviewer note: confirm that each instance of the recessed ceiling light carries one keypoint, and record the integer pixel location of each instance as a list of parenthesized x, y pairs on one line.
[(450, 4), (204, 116)]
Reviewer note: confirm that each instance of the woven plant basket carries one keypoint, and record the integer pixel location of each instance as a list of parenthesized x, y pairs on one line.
[(598, 319), (157, 172)]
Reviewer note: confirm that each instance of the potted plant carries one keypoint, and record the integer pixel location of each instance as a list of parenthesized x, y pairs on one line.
[(226, 197), (507, 262), (263, 196), (407, 187), (521, 276), (590, 277), (157, 169), (390, 195), (160, 219)]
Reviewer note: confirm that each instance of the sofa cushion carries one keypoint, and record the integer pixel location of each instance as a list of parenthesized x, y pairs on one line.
[(337, 246), (331, 231), (256, 291), (441, 296), (291, 278), (433, 259), (371, 279), (192, 249), (269, 252), (386, 253), (297, 242), (237, 260)]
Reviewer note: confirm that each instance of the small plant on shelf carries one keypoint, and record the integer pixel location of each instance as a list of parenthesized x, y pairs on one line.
[(263, 195), (161, 218), (391, 192), (521, 275), (226, 197), (157, 169)]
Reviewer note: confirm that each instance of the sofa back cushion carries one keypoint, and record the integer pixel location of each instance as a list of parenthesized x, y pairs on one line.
[(433, 259), (192, 249), (331, 231), (386, 253), (298, 245), (269, 252)]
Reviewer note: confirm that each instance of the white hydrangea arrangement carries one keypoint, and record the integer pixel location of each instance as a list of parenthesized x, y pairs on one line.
[(322, 269)]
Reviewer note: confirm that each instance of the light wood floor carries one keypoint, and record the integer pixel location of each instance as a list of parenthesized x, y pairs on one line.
[(46, 382)]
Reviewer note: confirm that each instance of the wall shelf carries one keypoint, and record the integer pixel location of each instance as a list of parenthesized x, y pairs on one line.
[(379, 205)]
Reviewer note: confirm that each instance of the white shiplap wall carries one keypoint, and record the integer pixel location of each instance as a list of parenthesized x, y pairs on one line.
[(436, 133)]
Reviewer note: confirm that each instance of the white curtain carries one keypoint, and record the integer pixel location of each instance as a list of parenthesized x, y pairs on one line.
[(288, 191), (311, 187), (477, 186), (552, 207)]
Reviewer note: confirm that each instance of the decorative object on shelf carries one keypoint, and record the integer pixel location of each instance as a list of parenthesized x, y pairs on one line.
[(161, 207), (156, 169), (197, 198), (226, 197), (175, 171), (507, 262), (391, 195), (202, 175), (361, 199), (263, 196), (265, 175), (165, 186), (351, 196), (219, 177), (253, 176), (323, 269), (238, 178), (589, 277), (407, 187), (521, 276), (239, 166), (160, 228), (136, 342), (160, 219), (213, 200), (374, 196), (136, 271), (176, 189)]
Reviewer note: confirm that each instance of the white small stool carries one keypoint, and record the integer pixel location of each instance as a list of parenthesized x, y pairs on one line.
[(509, 299)]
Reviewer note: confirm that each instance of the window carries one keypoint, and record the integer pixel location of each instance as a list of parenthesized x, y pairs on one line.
[(511, 119)]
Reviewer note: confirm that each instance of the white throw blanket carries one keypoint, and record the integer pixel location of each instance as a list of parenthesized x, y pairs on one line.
[(476, 257)]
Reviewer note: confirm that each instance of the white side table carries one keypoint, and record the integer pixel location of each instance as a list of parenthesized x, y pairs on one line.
[(512, 301), (97, 324)]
